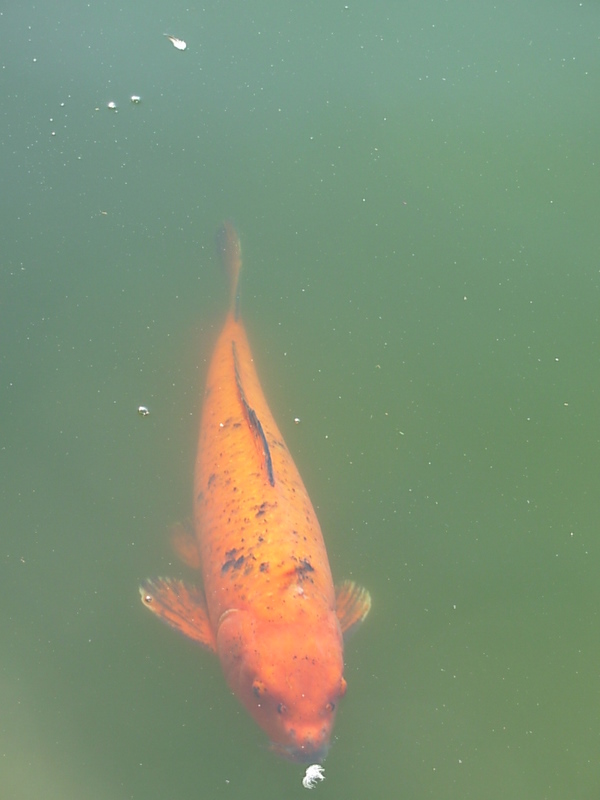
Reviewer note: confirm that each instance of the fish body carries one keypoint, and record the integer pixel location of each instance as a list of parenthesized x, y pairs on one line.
[(268, 607)]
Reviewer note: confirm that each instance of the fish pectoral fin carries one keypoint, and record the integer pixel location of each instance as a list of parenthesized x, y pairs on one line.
[(180, 606), (184, 543), (352, 604)]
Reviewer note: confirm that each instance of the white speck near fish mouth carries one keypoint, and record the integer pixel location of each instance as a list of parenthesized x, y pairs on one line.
[(313, 774)]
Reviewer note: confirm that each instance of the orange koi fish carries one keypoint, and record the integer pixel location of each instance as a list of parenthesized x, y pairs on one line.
[(268, 607)]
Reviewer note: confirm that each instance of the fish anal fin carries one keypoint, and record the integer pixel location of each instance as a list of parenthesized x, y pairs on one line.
[(184, 544), (180, 606), (352, 604)]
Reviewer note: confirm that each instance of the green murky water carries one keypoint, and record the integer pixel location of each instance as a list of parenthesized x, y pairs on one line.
[(416, 188)]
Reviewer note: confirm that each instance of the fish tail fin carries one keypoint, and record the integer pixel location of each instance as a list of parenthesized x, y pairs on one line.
[(230, 250)]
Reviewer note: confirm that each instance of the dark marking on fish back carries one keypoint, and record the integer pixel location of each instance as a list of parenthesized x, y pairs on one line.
[(253, 419)]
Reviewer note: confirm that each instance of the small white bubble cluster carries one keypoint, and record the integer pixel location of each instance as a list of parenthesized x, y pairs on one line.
[(313, 774)]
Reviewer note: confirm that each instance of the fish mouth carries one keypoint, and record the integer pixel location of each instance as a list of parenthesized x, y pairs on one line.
[(301, 754)]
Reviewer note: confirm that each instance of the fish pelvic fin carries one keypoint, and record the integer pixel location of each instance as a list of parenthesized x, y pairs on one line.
[(184, 544), (230, 250), (180, 606), (352, 604)]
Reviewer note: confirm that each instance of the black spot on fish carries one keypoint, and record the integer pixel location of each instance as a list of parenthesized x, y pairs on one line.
[(232, 563), (264, 507), (304, 569), (232, 560)]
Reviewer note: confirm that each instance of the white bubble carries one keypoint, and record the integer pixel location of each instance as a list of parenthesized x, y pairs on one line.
[(313, 774)]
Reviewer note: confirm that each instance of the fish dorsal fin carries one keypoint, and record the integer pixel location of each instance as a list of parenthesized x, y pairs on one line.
[(352, 604), (230, 250), (180, 606), (253, 420)]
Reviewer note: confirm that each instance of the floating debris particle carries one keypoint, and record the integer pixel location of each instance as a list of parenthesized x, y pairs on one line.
[(135, 98), (178, 43), (112, 105), (143, 411), (313, 774)]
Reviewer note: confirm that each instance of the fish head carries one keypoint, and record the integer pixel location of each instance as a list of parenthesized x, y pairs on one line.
[(290, 680)]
